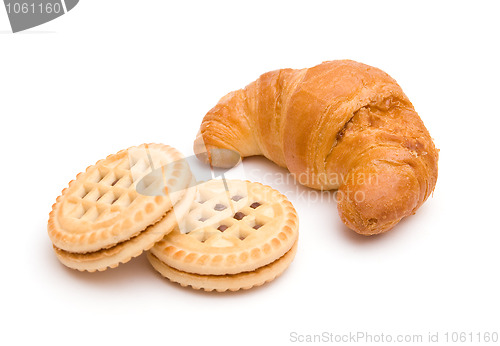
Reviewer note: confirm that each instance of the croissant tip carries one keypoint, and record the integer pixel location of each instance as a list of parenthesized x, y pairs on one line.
[(216, 157)]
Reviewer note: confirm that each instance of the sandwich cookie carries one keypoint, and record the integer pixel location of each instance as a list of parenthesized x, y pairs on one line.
[(237, 235), (120, 207)]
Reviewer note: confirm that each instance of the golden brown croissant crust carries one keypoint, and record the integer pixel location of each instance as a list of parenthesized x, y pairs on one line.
[(338, 125)]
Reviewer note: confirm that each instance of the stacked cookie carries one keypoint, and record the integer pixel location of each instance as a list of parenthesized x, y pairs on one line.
[(218, 235), (237, 235), (120, 207)]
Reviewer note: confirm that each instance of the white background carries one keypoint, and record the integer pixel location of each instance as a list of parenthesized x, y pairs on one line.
[(112, 74)]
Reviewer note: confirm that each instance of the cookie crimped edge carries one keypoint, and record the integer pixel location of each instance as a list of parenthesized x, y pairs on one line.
[(115, 233), (125, 251), (223, 283), (247, 259)]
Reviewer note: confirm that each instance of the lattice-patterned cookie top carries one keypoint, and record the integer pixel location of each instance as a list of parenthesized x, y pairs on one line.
[(118, 197), (231, 231)]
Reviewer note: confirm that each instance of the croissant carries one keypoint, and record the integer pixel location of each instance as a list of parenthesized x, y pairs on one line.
[(339, 125)]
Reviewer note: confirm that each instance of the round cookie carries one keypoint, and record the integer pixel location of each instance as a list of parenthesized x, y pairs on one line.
[(233, 226), (237, 235), (222, 283), (103, 217), (125, 251)]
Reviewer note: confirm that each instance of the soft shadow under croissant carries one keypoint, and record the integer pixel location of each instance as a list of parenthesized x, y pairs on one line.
[(338, 125)]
